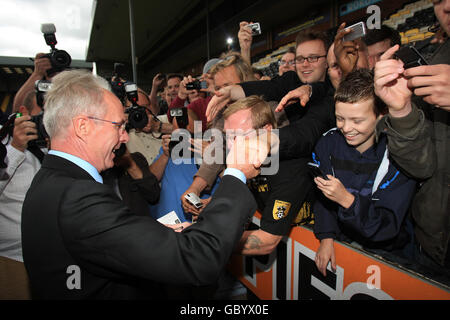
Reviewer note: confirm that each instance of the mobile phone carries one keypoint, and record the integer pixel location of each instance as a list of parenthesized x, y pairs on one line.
[(411, 57), (256, 28), (193, 199), (358, 31), (316, 171)]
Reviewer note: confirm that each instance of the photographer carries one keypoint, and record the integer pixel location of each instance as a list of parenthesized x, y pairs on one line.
[(147, 140), (133, 181), (23, 164), (41, 66)]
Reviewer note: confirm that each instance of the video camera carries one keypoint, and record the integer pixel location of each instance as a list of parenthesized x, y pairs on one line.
[(59, 59)]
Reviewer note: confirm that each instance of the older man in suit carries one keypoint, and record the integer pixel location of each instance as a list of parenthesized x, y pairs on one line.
[(81, 242)]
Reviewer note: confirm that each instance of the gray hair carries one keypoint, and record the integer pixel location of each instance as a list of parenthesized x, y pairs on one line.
[(73, 93)]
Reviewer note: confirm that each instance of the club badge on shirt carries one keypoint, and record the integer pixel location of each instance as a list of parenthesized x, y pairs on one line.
[(280, 209)]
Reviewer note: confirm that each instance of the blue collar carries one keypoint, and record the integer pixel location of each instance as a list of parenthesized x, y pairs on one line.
[(86, 166)]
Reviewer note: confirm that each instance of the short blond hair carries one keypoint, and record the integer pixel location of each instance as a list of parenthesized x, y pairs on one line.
[(243, 70), (261, 112)]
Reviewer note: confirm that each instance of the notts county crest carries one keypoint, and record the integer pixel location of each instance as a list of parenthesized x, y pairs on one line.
[(280, 209)]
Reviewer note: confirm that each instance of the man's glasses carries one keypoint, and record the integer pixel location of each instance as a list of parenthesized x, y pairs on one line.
[(119, 125), (311, 59), (290, 63)]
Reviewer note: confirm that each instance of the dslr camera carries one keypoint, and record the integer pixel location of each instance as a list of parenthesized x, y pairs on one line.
[(59, 59), (137, 116)]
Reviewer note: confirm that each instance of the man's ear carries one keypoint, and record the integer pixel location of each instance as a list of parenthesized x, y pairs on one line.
[(23, 110), (268, 127), (81, 127)]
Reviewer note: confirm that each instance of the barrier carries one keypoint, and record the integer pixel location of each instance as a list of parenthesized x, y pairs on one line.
[(290, 273)]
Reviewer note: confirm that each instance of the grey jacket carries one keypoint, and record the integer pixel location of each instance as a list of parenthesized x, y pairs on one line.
[(420, 144)]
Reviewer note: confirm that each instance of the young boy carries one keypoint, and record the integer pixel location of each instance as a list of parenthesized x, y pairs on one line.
[(365, 198)]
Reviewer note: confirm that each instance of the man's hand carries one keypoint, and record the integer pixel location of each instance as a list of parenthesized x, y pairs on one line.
[(301, 93), (346, 52), (41, 65), (197, 186), (165, 139), (24, 131), (324, 254), (432, 83), (157, 81), (390, 85), (334, 190), (182, 91), (220, 100), (248, 153), (179, 226), (245, 40), (245, 35)]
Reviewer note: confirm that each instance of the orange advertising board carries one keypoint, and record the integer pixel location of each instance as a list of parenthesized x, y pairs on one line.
[(290, 273)]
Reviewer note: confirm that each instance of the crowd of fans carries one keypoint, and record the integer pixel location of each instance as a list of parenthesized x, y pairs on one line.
[(376, 130)]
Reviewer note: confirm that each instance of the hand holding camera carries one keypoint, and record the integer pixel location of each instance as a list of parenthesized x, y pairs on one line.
[(24, 131), (346, 46), (41, 66)]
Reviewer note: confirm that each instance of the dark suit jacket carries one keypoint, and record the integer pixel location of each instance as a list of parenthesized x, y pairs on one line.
[(68, 219)]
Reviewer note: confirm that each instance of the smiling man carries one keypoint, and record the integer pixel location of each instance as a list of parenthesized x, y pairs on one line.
[(310, 56), (80, 241)]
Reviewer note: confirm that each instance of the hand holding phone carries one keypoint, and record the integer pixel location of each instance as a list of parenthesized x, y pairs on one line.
[(316, 171), (411, 57), (358, 30), (193, 199)]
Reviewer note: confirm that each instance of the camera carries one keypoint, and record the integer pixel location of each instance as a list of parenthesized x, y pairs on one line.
[(40, 88), (181, 115), (196, 85), (256, 28), (193, 199), (137, 116), (59, 59), (358, 31), (410, 57), (117, 83)]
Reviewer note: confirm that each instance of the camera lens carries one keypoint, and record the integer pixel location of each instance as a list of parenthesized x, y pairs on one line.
[(137, 117), (61, 59)]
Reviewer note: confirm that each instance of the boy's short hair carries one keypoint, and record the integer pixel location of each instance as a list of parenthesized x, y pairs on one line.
[(358, 86), (262, 113)]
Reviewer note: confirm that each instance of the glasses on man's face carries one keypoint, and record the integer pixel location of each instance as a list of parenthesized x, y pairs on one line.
[(283, 63), (310, 59), (119, 125)]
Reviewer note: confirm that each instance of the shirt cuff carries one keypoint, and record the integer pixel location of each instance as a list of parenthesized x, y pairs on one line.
[(235, 173)]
